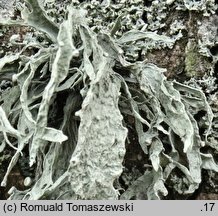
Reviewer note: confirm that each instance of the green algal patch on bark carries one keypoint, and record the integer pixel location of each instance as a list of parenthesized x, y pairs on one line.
[(191, 59)]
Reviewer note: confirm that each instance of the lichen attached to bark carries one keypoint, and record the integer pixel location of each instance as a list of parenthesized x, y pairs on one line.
[(86, 82)]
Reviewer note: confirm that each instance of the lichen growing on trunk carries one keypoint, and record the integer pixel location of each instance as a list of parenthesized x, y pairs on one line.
[(89, 83)]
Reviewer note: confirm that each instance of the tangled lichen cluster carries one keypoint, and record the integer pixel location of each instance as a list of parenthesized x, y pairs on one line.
[(80, 93)]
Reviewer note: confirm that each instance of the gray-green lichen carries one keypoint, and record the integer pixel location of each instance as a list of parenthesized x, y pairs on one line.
[(77, 77)]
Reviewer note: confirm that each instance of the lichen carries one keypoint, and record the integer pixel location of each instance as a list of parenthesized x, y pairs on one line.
[(81, 77)]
